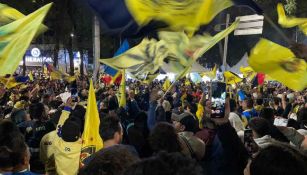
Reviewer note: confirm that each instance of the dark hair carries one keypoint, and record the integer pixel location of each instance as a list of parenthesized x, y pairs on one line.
[(79, 113), (24, 98), (268, 114), (261, 126), (165, 164), (190, 123), (36, 111), (108, 127), (164, 138), (16, 143), (282, 160), (7, 127), (6, 157), (71, 129), (276, 100), (140, 121), (302, 116), (55, 104), (233, 105), (46, 96), (259, 101), (55, 117), (249, 103), (110, 161), (18, 115)]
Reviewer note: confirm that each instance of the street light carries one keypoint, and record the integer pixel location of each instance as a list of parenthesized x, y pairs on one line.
[(72, 35)]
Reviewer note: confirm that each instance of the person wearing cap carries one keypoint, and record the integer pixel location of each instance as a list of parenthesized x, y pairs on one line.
[(186, 125)]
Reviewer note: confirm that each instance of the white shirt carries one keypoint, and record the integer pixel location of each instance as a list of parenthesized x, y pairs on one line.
[(236, 122)]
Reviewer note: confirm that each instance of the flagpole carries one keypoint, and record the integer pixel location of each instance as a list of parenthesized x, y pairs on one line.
[(280, 32), (226, 43)]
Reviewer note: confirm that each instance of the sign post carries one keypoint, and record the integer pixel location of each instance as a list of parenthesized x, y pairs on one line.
[(250, 25)]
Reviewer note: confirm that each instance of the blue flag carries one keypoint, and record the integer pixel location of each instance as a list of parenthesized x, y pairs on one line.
[(21, 79), (123, 48)]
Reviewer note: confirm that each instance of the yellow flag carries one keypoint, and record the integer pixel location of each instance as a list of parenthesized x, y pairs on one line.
[(31, 76), (279, 63), (145, 58), (166, 84), (45, 70), (248, 73), (232, 78), (184, 15), (177, 43), (184, 52), (9, 14), (91, 140), (201, 44), (56, 74), (150, 77), (187, 82), (289, 22), (116, 76), (16, 37), (9, 82), (123, 101), (269, 78), (210, 74)]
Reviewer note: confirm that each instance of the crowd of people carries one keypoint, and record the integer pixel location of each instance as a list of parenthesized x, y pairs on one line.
[(263, 132)]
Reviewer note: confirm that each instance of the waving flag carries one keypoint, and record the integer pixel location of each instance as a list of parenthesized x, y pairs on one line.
[(166, 84), (56, 74), (16, 38), (280, 63), (31, 76), (289, 22), (9, 14), (150, 77), (115, 74), (196, 47), (91, 140), (184, 52), (132, 17), (11, 82), (248, 73), (258, 80), (186, 15), (232, 78), (210, 74), (145, 58)]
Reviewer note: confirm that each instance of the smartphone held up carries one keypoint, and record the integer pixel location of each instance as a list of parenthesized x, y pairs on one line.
[(218, 99)]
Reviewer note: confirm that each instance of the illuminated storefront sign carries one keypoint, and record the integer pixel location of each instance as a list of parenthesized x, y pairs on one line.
[(34, 57)]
